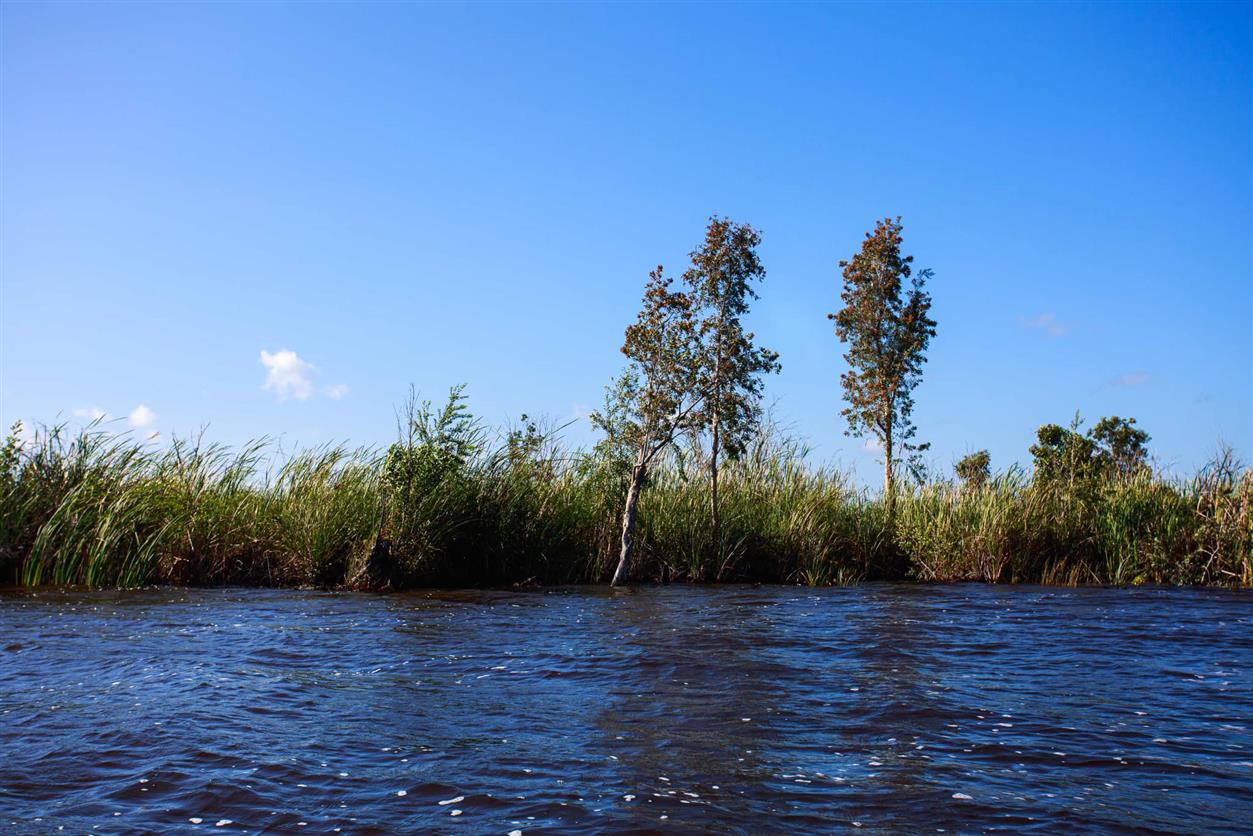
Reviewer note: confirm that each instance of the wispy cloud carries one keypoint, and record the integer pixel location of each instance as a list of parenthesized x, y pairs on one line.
[(579, 411), (1048, 324), (1130, 379), (335, 391), (141, 417), (287, 376)]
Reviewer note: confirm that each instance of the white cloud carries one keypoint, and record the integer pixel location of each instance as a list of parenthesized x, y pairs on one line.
[(1130, 379), (1047, 322), (91, 413), (287, 376), (141, 417)]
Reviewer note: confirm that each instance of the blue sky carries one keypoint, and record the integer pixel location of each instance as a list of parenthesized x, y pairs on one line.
[(431, 194)]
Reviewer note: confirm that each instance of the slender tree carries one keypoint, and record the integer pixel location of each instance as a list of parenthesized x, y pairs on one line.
[(657, 395), (720, 285), (887, 328)]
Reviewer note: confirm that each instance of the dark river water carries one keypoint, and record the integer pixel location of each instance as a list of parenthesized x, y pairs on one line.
[(727, 709)]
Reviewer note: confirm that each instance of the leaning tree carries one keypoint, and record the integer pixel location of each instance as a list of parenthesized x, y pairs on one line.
[(657, 396)]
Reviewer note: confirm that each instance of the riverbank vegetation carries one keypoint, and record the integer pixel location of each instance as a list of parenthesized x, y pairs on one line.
[(453, 504), (688, 482)]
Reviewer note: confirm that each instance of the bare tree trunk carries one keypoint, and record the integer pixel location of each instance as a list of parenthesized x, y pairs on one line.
[(717, 437), (628, 521), (889, 485), (713, 473)]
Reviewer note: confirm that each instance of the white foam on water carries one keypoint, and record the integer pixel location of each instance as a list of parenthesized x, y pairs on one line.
[(961, 796), (456, 800)]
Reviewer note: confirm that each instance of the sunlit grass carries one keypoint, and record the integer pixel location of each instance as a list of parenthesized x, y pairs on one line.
[(96, 509)]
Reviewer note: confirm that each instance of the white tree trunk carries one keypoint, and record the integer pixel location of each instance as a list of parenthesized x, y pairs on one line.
[(621, 574), (889, 481), (713, 485)]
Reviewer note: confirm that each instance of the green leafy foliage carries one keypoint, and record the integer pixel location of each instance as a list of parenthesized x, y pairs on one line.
[(436, 445), (975, 469), (1064, 455), (1121, 443)]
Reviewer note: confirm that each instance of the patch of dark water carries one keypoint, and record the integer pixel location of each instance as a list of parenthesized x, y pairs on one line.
[(732, 709)]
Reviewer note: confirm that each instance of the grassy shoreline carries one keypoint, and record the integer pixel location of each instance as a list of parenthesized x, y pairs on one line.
[(99, 510)]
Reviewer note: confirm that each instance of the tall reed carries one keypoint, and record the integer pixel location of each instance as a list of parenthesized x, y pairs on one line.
[(96, 509)]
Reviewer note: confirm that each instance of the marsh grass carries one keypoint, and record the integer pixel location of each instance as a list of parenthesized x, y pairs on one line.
[(96, 509)]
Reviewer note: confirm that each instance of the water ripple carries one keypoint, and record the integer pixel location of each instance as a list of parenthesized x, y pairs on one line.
[(734, 709)]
